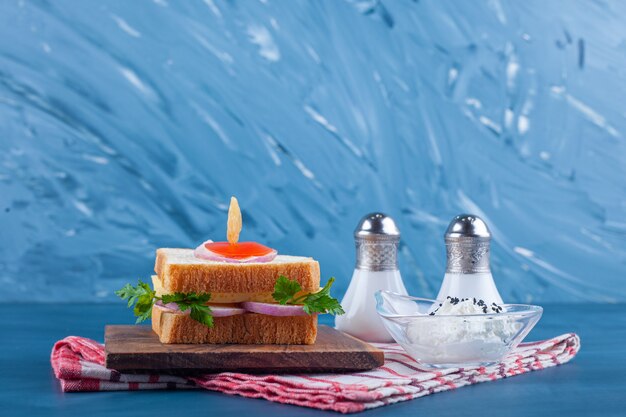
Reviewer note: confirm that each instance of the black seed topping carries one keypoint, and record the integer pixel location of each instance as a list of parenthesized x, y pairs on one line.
[(484, 307)]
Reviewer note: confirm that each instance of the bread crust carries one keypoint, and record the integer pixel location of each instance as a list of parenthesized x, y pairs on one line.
[(247, 328), (178, 276)]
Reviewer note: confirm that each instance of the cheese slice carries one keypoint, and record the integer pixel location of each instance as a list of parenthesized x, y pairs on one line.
[(231, 297)]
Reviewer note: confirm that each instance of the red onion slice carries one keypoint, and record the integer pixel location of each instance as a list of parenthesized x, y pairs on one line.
[(203, 253), (170, 307), (274, 309), (216, 309)]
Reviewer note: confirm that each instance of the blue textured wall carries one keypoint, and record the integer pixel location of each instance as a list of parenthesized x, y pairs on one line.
[(127, 125)]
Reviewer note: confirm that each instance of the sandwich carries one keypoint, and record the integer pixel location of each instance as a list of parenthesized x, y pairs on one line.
[(232, 292)]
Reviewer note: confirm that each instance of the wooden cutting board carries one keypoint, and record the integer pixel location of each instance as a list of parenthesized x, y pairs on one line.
[(137, 349)]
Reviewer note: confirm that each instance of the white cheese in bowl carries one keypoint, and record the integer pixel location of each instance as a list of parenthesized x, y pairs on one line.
[(461, 330)]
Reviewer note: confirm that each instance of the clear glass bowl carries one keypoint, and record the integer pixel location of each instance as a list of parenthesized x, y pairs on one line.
[(459, 341)]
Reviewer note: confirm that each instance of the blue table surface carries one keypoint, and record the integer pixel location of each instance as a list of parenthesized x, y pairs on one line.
[(594, 383)]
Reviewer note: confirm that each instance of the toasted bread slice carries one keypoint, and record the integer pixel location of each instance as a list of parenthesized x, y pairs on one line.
[(248, 328), (178, 270)]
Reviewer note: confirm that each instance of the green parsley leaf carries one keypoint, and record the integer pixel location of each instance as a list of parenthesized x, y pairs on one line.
[(322, 302), (142, 296), (285, 289), (202, 314), (319, 302), (186, 299)]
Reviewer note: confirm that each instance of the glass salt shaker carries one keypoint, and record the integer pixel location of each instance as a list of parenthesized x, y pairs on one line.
[(468, 274), (376, 239)]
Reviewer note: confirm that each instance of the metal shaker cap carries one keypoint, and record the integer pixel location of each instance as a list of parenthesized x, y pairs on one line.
[(468, 226), (376, 238), (467, 245), (377, 226)]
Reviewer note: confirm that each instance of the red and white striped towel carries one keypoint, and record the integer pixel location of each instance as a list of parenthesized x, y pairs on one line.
[(79, 364)]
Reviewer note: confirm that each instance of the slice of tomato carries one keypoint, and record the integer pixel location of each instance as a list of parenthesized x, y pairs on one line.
[(238, 250)]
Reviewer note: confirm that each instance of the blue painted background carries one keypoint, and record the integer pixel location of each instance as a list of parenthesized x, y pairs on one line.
[(126, 126)]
